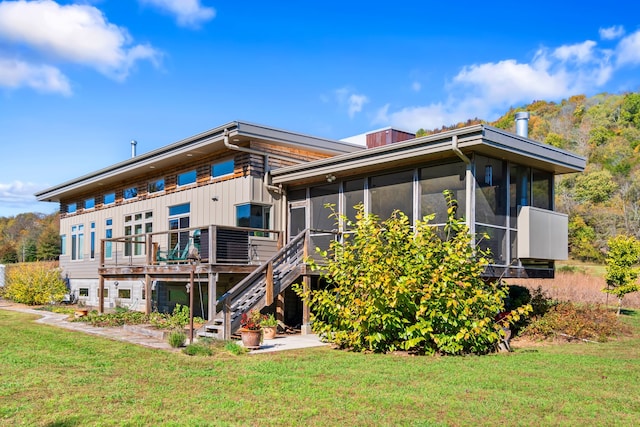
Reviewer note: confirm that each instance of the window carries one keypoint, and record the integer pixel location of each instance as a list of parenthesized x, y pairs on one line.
[(434, 180), (391, 192), (187, 178), (491, 191), (156, 186), (321, 196), (105, 292), (223, 168), (83, 292), (254, 216), (108, 233), (90, 203), (109, 198), (137, 225), (179, 218), (353, 195), (130, 193), (77, 242), (63, 244), (124, 293), (541, 186), (72, 207), (92, 240), (179, 209)]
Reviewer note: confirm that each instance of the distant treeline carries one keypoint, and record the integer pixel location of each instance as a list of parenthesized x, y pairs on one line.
[(29, 237)]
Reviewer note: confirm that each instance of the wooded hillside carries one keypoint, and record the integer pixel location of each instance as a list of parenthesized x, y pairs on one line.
[(29, 237)]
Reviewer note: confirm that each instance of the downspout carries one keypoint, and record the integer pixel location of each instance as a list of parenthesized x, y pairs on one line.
[(277, 189), (469, 189)]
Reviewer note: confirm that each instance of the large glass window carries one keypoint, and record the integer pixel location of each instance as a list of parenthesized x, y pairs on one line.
[(178, 219), (72, 207), (63, 244), (222, 168), (90, 203), (130, 193), (434, 180), (187, 178), (135, 225), (392, 192), (77, 242), (541, 187), (519, 191), (491, 192), (155, 186), (108, 233), (322, 196), (92, 249), (109, 198), (254, 216)]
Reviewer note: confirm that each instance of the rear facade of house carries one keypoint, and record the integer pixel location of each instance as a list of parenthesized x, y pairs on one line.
[(223, 220)]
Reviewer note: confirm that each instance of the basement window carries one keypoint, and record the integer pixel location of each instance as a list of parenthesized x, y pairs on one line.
[(124, 293), (83, 292)]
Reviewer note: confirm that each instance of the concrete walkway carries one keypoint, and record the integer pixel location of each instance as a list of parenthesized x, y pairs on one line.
[(128, 334)]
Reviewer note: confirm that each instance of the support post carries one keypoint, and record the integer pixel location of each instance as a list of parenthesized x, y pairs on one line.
[(227, 319), (101, 294), (213, 295), (280, 308), (306, 310), (191, 292), (268, 295), (147, 294)]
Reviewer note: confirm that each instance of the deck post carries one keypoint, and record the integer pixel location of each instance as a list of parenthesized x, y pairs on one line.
[(305, 329), (213, 295), (191, 292), (147, 294), (101, 294), (227, 319), (268, 295)]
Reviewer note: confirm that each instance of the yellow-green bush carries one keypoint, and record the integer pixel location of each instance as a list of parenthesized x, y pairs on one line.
[(34, 283)]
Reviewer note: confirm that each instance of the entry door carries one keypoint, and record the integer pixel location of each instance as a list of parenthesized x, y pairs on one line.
[(297, 218)]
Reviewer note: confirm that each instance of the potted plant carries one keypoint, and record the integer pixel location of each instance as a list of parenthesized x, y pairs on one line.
[(269, 326), (250, 329)]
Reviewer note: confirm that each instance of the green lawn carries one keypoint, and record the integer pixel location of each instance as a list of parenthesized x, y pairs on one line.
[(54, 377)]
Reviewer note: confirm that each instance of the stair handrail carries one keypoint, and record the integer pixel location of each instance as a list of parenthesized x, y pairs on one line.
[(253, 278)]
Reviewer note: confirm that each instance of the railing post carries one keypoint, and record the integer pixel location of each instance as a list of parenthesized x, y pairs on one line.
[(268, 295), (227, 318)]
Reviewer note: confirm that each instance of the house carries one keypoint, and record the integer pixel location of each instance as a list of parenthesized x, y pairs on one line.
[(223, 220)]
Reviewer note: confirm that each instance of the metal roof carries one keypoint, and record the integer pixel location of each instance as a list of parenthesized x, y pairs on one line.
[(194, 146), (481, 139)]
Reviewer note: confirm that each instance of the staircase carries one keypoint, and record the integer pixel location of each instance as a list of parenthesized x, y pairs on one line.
[(259, 288)]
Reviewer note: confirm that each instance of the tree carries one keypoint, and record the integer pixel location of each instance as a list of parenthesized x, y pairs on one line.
[(621, 274), (392, 287)]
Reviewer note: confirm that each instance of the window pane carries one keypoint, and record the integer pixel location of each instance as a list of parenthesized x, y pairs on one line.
[(72, 207), (518, 191), (187, 178), (222, 168), (321, 218), (179, 209), (541, 189), (90, 203), (83, 292), (353, 195), (391, 192), (130, 193), (156, 186), (491, 193), (434, 180), (124, 293), (63, 244), (496, 243), (109, 198)]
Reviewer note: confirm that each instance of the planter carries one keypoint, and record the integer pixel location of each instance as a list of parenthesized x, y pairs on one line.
[(251, 338), (270, 332), (81, 312)]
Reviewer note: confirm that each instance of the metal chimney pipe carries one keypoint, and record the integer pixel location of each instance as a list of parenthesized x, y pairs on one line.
[(522, 124), (133, 148)]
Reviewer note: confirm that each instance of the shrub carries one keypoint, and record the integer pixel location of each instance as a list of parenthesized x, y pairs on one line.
[(589, 322), (118, 318), (394, 287), (178, 319), (621, 274), (34, 283), (234, 348), (176, 338)]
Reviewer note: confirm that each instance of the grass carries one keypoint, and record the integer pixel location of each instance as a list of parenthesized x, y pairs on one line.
[(55, 377)]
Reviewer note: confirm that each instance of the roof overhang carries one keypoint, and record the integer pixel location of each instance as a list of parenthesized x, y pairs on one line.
[(480, 139), (184, 151)]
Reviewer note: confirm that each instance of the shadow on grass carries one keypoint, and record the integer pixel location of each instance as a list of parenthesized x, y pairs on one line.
[(64, 423)]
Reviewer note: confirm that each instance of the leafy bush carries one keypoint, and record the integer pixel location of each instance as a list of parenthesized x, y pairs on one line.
[(34, 283), (590, 322), (391, 287), (117, 318), (234, 348), (621, 274), (176, 338), (178, 319)]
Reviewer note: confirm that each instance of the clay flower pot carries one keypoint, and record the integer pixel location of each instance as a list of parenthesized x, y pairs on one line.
[(251, 338), (269, 332)]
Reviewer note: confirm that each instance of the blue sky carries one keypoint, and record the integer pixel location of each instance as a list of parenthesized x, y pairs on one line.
[(80, 79)]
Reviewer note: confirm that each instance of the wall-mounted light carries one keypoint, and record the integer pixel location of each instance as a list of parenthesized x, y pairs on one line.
[(215, 198), (331, 177)]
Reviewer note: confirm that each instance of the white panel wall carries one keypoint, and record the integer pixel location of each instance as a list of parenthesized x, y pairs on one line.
[(542, 234)]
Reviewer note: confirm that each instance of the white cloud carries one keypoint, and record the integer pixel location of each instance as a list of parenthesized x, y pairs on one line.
[(43, 78), (353, 101), (189, 13), (611, 33), (71, 33), (18, 194), (487, 89), (628, 50)]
